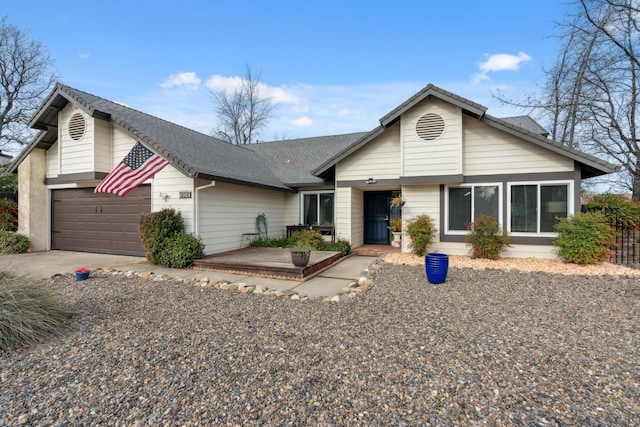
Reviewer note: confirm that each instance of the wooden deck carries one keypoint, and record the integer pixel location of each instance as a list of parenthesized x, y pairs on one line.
[(270, 262)]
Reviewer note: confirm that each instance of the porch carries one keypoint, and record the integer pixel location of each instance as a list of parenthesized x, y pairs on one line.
[(276, 262)]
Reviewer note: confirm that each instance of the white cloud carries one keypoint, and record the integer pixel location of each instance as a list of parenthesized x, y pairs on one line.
[(83, 55), (187, 80), (499, 62), (302, 121), (278, 94)]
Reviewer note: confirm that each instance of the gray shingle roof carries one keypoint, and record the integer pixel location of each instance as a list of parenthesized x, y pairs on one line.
[(293, 160), (194, 153), (528, 123)]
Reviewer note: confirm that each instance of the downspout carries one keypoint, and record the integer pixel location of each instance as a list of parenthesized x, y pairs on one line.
[(196, 216)]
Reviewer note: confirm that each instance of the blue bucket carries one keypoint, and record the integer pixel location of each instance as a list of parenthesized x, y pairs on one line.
[(436, 266)]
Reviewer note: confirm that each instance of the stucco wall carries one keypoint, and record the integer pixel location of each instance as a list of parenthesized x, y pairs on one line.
[(32, 200)]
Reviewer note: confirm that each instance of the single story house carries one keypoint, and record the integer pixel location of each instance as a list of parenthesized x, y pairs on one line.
[(441, 152)]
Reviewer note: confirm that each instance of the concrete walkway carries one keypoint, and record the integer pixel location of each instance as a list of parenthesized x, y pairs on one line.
[(40, 265)]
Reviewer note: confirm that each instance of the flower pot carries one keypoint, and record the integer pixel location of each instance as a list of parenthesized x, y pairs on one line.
[(300, 258), (82, 276), (397, 238), (436, 266)]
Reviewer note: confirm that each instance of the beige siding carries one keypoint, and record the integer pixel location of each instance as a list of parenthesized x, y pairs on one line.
[(103, 145), (291, 214), (122, 144), (75, 156), (166, 186), (420, 199), (357, 217), (226, 211), (53, 159), (442, 156), (380, 158), (516, 251), (490, 151)]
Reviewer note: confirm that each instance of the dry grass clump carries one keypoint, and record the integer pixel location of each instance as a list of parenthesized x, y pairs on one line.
[(28, 312)]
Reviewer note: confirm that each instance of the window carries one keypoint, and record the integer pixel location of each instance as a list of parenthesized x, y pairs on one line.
[(317, 208), (465, 203), (536, 208)]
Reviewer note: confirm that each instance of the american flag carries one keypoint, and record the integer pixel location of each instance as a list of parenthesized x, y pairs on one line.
[(139, 165)]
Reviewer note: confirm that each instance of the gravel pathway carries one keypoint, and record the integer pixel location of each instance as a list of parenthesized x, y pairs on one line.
[(489, 347)]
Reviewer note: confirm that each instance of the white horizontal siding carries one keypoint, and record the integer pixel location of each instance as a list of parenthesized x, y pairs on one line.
[(53, 159), (357, 218), (102, 145), (167, 184), (380, 158), (121, 145), (490, 151), (75, 156), (419, 200), (442, 156), (226, 211), (515, 251)]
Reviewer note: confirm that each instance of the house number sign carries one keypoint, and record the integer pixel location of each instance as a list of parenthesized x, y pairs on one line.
[(185, 194)]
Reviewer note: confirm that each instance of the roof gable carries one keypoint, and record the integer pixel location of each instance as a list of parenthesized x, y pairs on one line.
[(193, 153), (528, 130)]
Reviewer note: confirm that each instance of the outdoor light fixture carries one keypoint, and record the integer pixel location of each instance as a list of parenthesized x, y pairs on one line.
[(371, 181)]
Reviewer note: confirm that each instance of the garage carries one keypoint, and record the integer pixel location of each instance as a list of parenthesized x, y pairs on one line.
[(98, 222)]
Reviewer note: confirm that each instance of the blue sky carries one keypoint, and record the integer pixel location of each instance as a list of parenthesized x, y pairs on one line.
[(330, 67)]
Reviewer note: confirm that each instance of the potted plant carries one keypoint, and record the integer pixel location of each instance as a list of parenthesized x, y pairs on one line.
[(395, 225), (82, 274), (300, 255), (397, 202)]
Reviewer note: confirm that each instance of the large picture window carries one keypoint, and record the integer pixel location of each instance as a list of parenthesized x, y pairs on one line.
[(537, 208), (317, 208), (466, 202)]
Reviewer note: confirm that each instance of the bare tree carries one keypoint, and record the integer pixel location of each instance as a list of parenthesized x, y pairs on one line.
[(242, 113), (25, 78), (591, 97)]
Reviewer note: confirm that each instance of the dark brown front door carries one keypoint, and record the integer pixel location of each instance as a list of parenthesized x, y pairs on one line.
[(98, 222)]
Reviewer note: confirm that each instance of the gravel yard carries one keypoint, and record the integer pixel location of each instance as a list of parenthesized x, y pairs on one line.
[(488, 347)]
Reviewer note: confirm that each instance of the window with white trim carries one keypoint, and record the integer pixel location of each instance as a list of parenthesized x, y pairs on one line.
[(316, 208), (464, 203), (538, 207)]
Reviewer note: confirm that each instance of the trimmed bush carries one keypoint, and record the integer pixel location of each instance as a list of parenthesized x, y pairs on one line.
[(584, 239), (13, 243), (156, 229), (307, 238), (486, 238), (341, 245), (269, 243), (422, 230), (28, 312), (180, 250), (8, 215), (617, 208)]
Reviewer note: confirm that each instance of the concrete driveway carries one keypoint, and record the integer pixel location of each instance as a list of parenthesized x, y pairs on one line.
[(40, 265)]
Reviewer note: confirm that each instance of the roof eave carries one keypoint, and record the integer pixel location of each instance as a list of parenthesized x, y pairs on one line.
[(347, 151), (214, 177), (471, 107)]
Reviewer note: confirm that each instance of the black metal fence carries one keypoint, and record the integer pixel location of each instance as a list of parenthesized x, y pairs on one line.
[(627, 248), (11, 195)]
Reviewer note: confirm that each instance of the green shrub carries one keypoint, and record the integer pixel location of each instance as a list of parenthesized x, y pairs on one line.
[(616, 208), (486, 238), (28, 312), (307, 238), (13, 243), (341, 245), (180, 250), (584, 239), (156, 229), (8, 215), (269, 243), (422, 230)]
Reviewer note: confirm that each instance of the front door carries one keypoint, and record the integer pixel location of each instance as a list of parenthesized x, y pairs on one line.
[(376, 217)]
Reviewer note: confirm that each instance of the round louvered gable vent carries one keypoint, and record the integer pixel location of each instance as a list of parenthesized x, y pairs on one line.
[(77, 126), (430, 127)]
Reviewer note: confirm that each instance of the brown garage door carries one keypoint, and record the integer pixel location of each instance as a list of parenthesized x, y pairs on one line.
[(99, 222)]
